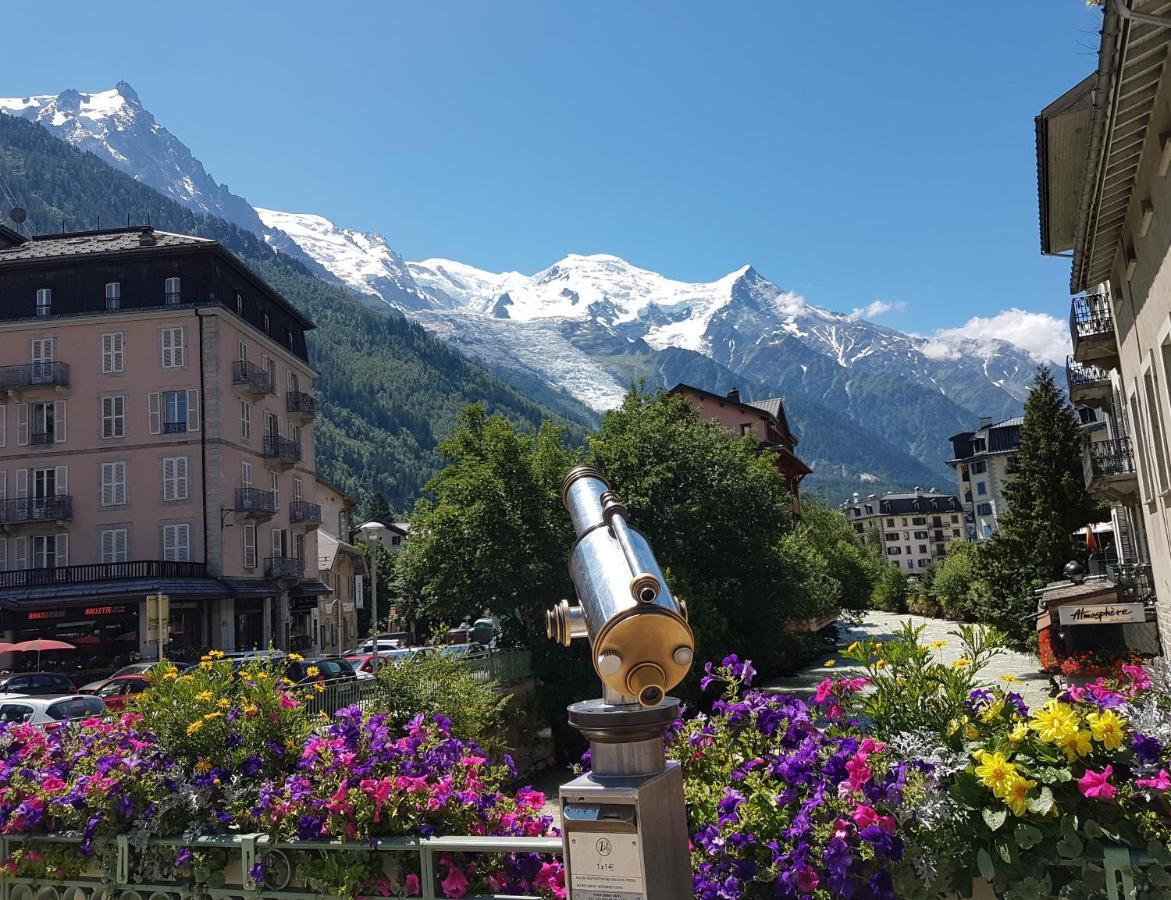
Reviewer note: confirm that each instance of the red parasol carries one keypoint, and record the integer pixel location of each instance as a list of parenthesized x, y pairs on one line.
[(6, 647), (40, 644), (1091, 539)]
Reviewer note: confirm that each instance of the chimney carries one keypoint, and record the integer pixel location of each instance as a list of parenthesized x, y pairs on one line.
[(918, 491), (985, 422), (734, 395), (934, 490), (857, 496), (146, 237), (872, 496)]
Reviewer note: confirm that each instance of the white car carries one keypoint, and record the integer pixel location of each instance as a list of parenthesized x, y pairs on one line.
[(49, 710), (385, 645)]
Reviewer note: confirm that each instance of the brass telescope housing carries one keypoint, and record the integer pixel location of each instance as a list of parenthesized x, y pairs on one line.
[(641, 643)]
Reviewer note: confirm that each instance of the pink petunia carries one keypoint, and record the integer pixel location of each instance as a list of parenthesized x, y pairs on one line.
[(455, 884), (825, 690), (1096, 785), (807, 880), (412, 886), (1161, 782), (864, 815)]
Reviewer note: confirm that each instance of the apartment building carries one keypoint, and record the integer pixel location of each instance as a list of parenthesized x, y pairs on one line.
[(984, 460), (1104, 160), (914, 528), (156, 434), (766, 419), (342, 569)]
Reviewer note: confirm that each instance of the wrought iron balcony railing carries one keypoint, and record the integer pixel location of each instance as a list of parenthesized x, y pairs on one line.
[(36, 509), (1081, 375), (284, 567), (1134, 581), (1090, 316), (301, 403), (174, 427), (1106, 459), (304, 512), (143, 568), (38, 374), (251, 376), (281, 449), (255, 500), (42, 437)]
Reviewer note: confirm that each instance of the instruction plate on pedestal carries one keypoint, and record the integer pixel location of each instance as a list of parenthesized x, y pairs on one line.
[(605, 866)]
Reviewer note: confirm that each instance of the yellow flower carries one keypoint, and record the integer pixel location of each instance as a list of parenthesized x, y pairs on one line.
[(203, 766), (853, 647), (971, 732), (261, 676), (313, 671), (213, 715), (319, 687), (961, 663), (205, 696), (1019, 733), (290, 744), (938, 645), (881, 664), (993, 711), (205, 664), (830, 663), (296, 657), (1106, 728), (1075, 743), (1054, 721), (170, 676), (251, 709), (194, 727), (1016, 794), (223, 703), (995, 772), (1010, 679), (216, 654)]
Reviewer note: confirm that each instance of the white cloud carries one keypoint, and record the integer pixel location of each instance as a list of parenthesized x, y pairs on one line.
[(1043, 336), (876, 309)]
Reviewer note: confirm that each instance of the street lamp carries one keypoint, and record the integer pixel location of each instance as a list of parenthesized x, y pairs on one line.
[(374, 533)]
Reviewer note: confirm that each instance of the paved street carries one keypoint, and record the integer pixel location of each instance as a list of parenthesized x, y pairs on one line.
[(1034, 686)]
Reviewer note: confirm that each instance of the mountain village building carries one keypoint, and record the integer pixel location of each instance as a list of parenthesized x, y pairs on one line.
[(765, 418), (913, 529), (342, 569), (1104, 159), (984, 460), (156, 435)]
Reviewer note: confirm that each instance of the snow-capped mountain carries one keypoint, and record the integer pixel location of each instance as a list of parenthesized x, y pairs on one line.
[(864, 396)]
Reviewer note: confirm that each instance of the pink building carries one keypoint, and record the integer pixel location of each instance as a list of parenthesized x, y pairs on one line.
[(156, 434)]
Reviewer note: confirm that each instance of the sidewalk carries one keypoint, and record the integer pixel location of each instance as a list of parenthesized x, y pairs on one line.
[(1034, 686)]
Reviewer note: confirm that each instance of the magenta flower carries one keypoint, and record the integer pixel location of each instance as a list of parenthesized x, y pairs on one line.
[(412, 886), (1096, 785), (455, 884), (1161, 782), (825, 690)]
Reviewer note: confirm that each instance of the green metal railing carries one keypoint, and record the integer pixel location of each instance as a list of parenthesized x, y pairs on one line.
[(115, 880)]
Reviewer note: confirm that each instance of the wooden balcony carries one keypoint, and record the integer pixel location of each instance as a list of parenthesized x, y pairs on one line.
[(1091, 326), (1089, 385)]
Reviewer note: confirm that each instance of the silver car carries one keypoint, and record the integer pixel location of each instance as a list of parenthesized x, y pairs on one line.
[(49, 710)]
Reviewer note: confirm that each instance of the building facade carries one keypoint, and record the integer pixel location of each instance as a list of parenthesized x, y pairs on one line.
[(765, 419), (913, 529), (984, 460), (156, 434), (1104, 158), (342, 569)]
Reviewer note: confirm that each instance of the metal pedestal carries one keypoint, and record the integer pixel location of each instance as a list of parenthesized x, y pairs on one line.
[(624, 825)]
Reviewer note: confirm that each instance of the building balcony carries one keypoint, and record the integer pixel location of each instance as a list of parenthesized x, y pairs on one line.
[(34, 376), (36, 510), (1133, 581), (1091, 325), (301, 407), (251, 379), (280, 452), (1089, 385), (302, 512), (148, 568), (40, 438), (1109, 469), (255, 503), (174, 428), (284, 567)]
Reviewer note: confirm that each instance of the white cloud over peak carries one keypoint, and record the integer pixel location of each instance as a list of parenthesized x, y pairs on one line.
[(1039, 334), (876, 309)]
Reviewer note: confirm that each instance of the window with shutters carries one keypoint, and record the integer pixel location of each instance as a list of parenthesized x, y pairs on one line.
[(175, 478), (299, 545), (174, 347), (245, 420), (42, 423), (114, 416), (113, 352), (270, 367), (298, 490), (244, 350), (174, 411), (275, 487), (44, 301), (177, 542), (295, 434), (49, 551), (172, 291), (114, 542), (113, 295), (113, 483), (245, 473), (272, 425), (249, 546)]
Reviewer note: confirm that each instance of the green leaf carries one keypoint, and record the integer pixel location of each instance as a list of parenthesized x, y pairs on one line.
[(1092, 829), (994, 818), (1070, 848), (1027, 836), (1069, 826), (984, 864), (1042, 803)]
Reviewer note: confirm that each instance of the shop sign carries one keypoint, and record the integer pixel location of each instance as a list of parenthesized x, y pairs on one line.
[(347, 607), (1102, 614), (92, 612)]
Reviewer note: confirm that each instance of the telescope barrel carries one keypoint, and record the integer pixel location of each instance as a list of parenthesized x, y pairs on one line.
[(642, 645)]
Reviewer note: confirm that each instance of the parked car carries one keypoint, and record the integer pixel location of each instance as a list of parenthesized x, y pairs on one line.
[(36, 684), (463, 651), (384, 644), (363, 663), (116, 692), (49, 710), (138, 668), (328, 668)]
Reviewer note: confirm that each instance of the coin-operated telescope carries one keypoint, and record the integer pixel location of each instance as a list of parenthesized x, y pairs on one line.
[(624, 824)]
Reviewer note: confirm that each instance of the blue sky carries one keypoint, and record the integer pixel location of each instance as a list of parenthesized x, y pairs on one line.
[(853, 152)]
